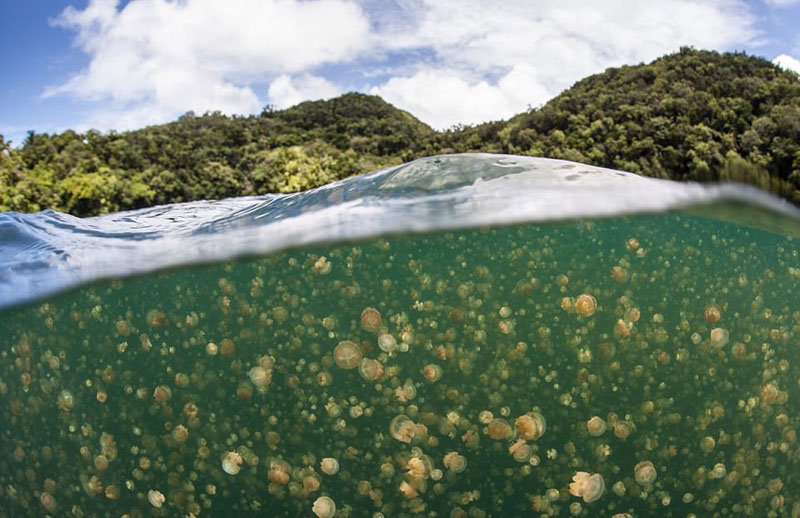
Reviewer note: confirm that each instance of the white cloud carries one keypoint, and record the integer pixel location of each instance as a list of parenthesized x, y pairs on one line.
[(154, 59), (543, 47), (443, 98), (788, 63), (286, 91), (449, 61)]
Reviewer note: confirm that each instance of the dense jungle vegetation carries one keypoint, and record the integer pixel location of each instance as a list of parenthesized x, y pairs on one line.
[(692, 115)]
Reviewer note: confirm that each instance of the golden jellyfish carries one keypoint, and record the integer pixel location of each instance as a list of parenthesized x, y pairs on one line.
[(619, 274), (632, 244), (162, 394), (712, 314), (324, 507), (371, 320), (531, 426), (387, 343), (232, 463), (719, 337), (521, 451), (66, 401), (401, 428), (432, 372), (329, 466), (455, 462), (586, 486), (419, 467), (596, 426), (48, 501), (499, 429), (623, 429), (156, 498), (180, 434), (259, 376), (279, 472), (347, 355), (370, 370), (311, 482), (644, 473), (585, 305), (112, 492), (156, 318)]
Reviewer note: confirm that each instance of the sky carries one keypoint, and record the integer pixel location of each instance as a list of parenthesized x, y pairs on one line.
[(126, 64)]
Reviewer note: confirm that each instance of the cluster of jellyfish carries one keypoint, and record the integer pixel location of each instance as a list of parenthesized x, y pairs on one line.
[(623, 368)]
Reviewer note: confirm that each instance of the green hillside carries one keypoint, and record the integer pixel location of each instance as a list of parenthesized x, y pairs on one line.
[(692, 115)]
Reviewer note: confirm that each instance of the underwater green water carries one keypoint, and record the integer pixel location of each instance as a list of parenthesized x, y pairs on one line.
[(115, 395)]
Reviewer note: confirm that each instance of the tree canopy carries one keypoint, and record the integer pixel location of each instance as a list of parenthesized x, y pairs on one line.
[(693, 115)]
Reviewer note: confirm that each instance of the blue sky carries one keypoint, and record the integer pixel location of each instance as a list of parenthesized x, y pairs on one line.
[(110, 64)]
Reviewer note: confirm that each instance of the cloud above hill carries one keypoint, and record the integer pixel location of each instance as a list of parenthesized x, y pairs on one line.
[(446, 61)]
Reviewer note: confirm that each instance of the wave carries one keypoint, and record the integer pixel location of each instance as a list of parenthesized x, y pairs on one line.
[(48, 252)]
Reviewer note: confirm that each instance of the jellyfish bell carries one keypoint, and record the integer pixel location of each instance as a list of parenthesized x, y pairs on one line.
[(402, 428), (259, 376), (719, 336), (432, 372), (370, 370), (586, 486), (585, 305), (156, 498), (455, 462), (596, 426), (712, 314), (329, 466), (347, 355), (371, 320), (387, 343), (232, 463), (644, 473), (324, 507)]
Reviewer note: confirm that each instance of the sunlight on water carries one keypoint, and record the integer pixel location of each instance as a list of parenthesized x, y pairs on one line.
[(630, 366)]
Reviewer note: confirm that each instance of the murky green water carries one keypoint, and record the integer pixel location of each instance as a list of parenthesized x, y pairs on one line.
[(121, 393)]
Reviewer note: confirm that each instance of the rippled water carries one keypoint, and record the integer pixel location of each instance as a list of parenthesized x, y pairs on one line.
[(482, 293)]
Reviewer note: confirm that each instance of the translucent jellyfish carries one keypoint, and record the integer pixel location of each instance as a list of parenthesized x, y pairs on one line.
[(596, 426), (586, 486), (585, 305), (162, 394), (387, 343), (48, 501), (432, 372), (329, 466), (644, 473), (66, 401), (347, 355), (371, 320), (180, 433), (521, 451), (259, 376), (402, 428), (279, 472), (232, 463), (324, 507), (531, 426), (712, 314), (719, 337), (370, 370), (499, 429), (156, 498), (455, 462)]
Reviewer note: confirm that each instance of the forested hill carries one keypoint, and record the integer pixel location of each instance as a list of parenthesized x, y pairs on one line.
[(692, 115)]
